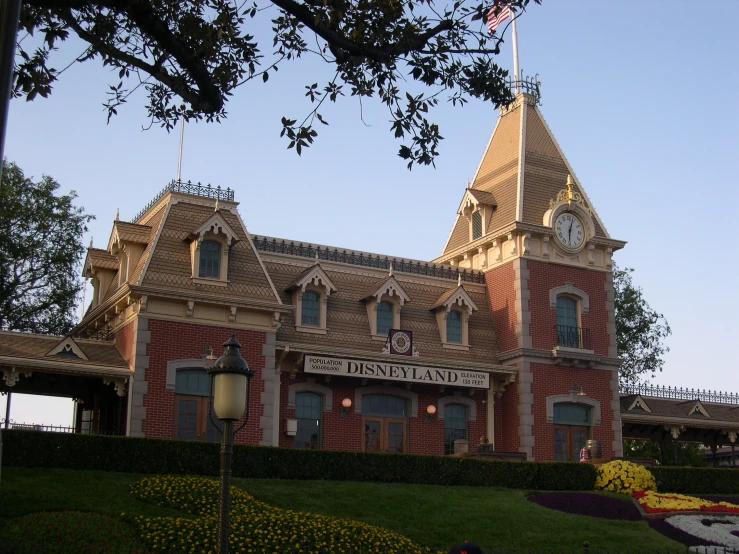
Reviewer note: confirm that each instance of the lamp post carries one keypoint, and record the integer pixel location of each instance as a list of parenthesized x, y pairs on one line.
[(230, 385)]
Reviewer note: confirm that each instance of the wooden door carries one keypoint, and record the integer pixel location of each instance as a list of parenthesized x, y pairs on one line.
[(382, 434), (191, 419), (568, 441)]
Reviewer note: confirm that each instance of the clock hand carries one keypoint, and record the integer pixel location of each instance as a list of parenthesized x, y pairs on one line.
[(569, 235)]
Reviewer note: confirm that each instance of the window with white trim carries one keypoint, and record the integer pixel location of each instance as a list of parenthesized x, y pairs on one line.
[(454, 327), (476, 225), (310, 314), (210, 259), (455, 425), (385, 317), (309, 413)]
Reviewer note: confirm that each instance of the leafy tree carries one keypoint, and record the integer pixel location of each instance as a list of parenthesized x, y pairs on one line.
[(688, 454), (191, 55), (640, 331), (40, 251)]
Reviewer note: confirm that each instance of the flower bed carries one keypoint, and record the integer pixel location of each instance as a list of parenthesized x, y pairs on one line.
[(255, 526), (587, 504), (654, 503), (624, 477)]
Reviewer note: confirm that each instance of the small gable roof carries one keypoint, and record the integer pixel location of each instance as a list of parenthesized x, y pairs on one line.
[(67, 348), (695, 408), (639, 403), (313, 275), (99, 259), (389, 286), (457, 296), (129, 232), (474, 198), (216, 224)]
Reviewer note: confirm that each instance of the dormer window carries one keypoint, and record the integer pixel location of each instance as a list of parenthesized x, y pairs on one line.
[(454, 327), (385, 311), (476, 225), (210, 259), (383, 304), (453, 310), (310, 293), (311, 309), (209, 249)]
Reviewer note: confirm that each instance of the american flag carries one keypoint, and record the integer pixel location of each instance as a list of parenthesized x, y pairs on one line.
[(495, 20)]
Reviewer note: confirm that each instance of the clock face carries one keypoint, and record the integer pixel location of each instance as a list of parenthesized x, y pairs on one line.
[(569, 231), (401, 342)]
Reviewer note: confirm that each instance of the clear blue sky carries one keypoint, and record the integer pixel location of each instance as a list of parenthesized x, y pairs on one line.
[(638, 94)]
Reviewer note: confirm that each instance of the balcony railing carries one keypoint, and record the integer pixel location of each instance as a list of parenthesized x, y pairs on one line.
[(573, 337), (658, 391)]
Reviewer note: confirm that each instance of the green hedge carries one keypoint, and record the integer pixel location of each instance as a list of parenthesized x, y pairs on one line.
[(696, 480), (136, 455)]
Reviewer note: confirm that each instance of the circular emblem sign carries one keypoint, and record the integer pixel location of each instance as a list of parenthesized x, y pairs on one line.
[(401, 342)]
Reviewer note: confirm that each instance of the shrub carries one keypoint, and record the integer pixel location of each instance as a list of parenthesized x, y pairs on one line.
[(255, 526), (159, 456), (695, 480), (624, 477)]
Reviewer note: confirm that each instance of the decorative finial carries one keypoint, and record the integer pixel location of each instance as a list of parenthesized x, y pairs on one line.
[(390, 274), (316, 255), (469, 184), (459, 279), (217, 205), (569, 185), (116, 214), (90, 241)]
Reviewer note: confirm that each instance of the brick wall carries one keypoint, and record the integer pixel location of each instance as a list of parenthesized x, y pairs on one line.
[(551, 380), (346, 433), (506, 420), (176, 341), (124, 340), (502, 299), (545, 276)]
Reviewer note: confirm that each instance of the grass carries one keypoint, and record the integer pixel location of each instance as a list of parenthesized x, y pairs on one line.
[(430, 515)]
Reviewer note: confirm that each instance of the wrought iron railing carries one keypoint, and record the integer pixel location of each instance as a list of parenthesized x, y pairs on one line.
[(530, 85), (188, 187), (400, 265), (86, 429), (105, 334), (573, 337), (657, 391)]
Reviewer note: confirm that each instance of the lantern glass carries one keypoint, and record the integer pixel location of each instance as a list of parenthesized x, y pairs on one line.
[(229, 395)]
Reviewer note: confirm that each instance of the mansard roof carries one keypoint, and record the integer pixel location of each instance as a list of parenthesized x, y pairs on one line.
[(522, 168), (347, 323)]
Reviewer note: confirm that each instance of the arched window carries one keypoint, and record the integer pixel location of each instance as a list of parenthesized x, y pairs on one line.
[(476, 225), (455, 425), (308, 412), (210, 259), (310, 313), (567, 322), (384, 317), (572, 424), (454, 327)]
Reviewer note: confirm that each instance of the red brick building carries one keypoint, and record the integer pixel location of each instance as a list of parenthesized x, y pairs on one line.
[(508, 337)]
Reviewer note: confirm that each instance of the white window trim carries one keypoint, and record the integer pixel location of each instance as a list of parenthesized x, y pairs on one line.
[(359, 392), (441, 317), (457, 398), (310, 386), (372, 305), (569, 289), (321, 329), (216, 229), (572, 398)]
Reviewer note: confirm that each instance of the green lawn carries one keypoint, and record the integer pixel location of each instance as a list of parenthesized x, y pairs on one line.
[(430, 515)]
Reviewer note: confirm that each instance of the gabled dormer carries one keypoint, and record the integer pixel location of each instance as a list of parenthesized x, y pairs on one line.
[(696, 409), (310, 292), (209, 248), (453, 309), (383, 303), (100, 266), (639, 404), (477, 208), (127, 243), (67, 348)]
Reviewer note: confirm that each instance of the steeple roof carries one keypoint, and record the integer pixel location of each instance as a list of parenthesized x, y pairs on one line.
[(522, 168)]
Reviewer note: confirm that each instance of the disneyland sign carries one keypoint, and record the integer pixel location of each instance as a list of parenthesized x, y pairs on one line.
[(393, 371)]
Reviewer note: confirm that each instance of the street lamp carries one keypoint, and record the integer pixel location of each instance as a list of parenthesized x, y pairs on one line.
[(230, 385)]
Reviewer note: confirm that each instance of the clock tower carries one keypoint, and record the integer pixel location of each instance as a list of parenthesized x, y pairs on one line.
[(527, 223)]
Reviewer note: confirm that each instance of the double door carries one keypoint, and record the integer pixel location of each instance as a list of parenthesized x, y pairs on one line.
[(192, 421), (385, 434), (568, 441)]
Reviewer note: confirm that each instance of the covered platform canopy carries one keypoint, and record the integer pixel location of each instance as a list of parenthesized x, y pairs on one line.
[(690, 416), (92, 372)]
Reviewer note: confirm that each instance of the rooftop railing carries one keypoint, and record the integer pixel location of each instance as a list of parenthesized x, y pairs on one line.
[(657, 391), (188, 187)]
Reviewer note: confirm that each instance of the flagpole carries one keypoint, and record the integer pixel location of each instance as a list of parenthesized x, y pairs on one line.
[(515, 54), (182, 138)]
